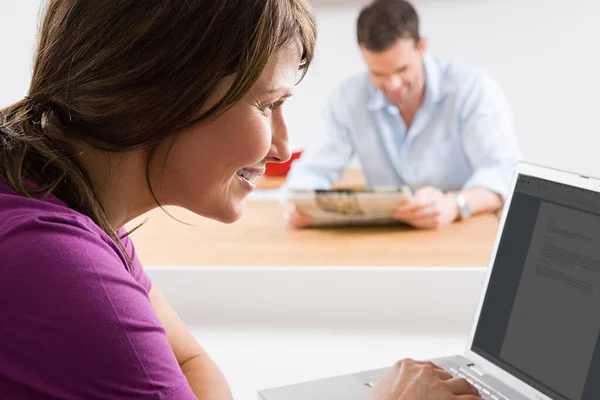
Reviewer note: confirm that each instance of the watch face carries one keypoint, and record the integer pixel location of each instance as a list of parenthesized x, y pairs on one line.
[(463, 207)]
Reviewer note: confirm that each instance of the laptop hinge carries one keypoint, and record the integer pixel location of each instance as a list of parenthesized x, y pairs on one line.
[(473, 368)]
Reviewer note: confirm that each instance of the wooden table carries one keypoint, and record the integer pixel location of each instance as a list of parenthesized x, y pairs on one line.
[(260, 239)]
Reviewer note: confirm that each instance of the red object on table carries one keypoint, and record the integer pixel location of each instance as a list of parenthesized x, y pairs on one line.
[(281, 169)]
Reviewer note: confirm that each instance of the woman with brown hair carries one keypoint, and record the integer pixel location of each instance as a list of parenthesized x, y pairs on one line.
[(132, 105)]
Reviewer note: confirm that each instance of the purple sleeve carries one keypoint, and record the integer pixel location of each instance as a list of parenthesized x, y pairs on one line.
[(138, 271), (74, 323)]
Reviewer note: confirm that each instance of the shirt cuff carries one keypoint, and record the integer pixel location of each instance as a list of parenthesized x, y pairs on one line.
[(492, 179)]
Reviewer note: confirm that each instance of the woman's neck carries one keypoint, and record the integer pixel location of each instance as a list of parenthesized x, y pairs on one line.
[(119, 181)]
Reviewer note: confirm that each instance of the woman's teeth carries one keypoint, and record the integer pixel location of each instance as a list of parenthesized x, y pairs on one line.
[(247, 175)]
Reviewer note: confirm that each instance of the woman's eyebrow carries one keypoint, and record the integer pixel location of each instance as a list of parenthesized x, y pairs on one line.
[(278, 89)]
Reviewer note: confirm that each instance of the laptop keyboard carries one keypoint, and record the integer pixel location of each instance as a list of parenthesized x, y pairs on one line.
[(485, 392)]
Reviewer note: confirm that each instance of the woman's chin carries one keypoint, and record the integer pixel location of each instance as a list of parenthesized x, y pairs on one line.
[(230, 219), (222, 211), (228, 214)]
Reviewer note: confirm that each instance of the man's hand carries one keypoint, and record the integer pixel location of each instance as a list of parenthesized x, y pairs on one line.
[(294, 218), (412, 380), (430, 209)]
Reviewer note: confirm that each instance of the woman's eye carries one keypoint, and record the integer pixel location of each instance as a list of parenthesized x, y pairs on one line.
[(273, 106)]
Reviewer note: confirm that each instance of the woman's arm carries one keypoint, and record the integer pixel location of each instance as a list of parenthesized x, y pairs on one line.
[(203, 375)]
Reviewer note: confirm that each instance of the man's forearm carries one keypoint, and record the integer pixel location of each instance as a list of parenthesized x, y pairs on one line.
[(205, 379), (482, 200)]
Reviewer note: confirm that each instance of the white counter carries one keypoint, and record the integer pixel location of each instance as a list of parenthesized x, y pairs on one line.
[(267, 327)]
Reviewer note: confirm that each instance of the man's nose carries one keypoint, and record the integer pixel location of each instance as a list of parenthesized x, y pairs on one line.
[(394, 83)]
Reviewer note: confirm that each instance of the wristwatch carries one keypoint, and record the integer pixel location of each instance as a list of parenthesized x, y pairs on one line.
[(463, 207)]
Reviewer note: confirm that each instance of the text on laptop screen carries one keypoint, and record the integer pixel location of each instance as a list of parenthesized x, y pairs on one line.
[(540, 318)]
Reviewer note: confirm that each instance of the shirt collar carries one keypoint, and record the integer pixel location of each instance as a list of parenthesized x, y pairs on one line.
[(433, 80)]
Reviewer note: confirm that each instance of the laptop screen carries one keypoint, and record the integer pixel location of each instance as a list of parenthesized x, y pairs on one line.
[(540, 318)]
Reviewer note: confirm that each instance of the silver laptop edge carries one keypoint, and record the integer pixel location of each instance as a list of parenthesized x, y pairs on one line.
[(536, 171)]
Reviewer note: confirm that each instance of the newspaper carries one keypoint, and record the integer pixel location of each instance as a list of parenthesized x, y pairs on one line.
[(350, 206)]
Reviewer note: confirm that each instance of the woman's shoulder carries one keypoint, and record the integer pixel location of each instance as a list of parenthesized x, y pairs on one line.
[(77, 316), (46, 234)]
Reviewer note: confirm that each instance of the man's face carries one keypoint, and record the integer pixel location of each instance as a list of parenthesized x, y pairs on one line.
[(398, 70)]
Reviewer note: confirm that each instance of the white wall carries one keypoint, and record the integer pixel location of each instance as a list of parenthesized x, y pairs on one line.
[(18, 25), (543, 53)]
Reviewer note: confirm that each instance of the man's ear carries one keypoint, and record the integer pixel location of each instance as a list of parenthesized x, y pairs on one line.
[(421, 45)]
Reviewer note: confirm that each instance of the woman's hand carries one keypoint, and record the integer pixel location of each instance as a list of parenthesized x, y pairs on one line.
[(413, 380)]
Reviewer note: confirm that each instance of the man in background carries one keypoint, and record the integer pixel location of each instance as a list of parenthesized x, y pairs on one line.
[(439, 127)]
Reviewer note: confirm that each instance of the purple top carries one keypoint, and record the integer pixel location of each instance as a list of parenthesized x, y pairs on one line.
[(74, 323)]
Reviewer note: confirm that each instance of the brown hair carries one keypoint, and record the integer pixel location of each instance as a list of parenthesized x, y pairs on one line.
[(383, 22), (126, 74)]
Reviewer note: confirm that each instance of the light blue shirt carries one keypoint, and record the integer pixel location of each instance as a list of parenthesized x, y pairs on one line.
[(461, 137)]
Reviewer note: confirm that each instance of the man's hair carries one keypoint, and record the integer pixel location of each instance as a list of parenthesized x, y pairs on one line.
[(383, 22)]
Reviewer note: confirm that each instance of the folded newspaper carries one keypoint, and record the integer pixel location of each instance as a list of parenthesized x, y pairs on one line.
[(350, 206)]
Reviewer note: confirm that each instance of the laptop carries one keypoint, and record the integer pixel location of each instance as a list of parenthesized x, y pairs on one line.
[(536, 330)]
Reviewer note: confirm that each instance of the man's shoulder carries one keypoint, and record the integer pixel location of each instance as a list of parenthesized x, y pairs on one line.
[(353, 92), (357, 82), (464, 81), (467, 74), (454, 74)]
